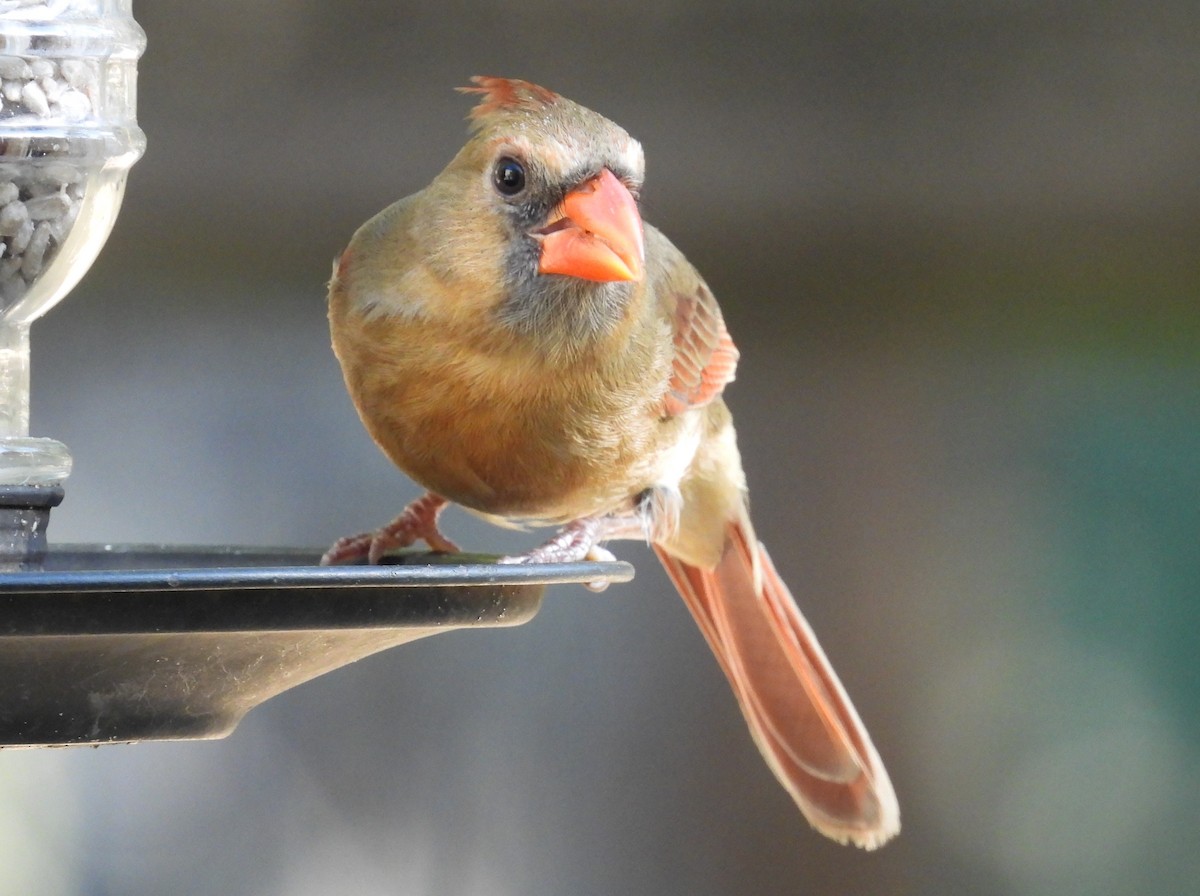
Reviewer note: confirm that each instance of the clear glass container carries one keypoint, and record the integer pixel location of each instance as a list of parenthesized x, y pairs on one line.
[(68, 136)]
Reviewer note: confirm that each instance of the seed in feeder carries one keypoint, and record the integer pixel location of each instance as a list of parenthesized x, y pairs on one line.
[(35, 253), (39, 202), (12, 216), (74, 105), (75, 72), (41, 208), (35, 98), (14, 67), (59, 173), (32, 189), (20, 240), (51, 88)]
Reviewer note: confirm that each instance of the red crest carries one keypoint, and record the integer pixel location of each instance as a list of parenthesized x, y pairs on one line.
[(507, 94)]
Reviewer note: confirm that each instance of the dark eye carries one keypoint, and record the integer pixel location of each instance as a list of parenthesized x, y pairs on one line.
[(509, 176)]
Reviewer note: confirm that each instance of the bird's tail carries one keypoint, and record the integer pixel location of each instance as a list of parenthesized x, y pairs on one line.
[(797, 710)]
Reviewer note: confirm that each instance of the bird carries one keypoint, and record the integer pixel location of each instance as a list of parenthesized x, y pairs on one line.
[(520, 343)]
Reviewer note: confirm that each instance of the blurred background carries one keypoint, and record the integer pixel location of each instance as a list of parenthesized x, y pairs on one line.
[(957, 244)]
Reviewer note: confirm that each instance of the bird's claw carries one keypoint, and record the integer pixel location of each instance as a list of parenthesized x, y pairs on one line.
[(578, 540), (572, 543), (417, 522)]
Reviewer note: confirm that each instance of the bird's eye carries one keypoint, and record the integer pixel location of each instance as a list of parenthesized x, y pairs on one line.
[(509, 176)]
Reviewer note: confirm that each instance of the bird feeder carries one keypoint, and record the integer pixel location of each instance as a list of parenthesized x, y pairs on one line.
[(120, 643)]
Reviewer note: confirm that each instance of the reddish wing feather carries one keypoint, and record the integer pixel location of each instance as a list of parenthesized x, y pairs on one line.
[(705, 356)]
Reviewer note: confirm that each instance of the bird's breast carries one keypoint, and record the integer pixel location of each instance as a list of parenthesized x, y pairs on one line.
[(498, 431)]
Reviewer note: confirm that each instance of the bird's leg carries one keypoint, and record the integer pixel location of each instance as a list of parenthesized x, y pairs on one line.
[(417, 521)]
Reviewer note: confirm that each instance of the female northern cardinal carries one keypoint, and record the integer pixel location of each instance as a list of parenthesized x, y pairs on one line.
[(518, 342)]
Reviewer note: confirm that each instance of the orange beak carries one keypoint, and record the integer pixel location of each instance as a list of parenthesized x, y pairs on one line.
[(598, 236)]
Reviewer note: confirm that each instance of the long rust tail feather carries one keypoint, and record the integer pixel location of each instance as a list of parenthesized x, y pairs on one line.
[(797, 710)]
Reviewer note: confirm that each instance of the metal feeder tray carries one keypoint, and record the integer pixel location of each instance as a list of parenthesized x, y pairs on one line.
[(121, 643)]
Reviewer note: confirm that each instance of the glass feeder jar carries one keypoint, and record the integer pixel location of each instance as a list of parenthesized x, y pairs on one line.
[(68, 136)]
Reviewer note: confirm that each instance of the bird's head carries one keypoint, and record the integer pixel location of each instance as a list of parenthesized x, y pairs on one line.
[(564, 178), (545, 193)]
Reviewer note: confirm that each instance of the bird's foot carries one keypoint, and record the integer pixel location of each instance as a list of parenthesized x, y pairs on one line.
[(418, 521), (580, 540)]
